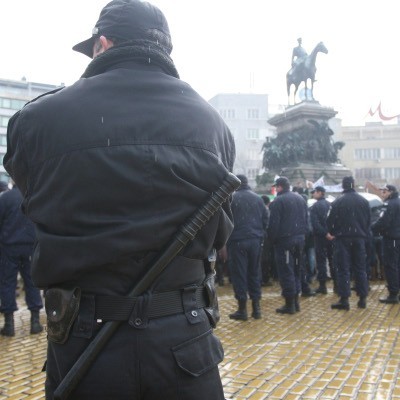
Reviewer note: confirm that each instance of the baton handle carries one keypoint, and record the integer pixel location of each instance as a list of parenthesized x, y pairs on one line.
[(187, 232)]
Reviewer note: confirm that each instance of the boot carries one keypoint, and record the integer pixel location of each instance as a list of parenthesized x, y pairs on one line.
[(342, 304), (362, 302), (393, 298), (256, 314), (35, 323), (8, 328), (296, 303), (322, 288), (288, 308), (241, 313), (309, 293)]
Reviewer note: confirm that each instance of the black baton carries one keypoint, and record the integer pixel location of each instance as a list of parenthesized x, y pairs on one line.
[(186, 233)]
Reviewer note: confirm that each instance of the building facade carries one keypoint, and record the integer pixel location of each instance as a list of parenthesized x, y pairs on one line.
[(247, 116), (372, 152), (13, 96)]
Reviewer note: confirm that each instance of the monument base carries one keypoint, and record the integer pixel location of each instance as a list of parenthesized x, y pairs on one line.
[(332, 173), (297, 116)]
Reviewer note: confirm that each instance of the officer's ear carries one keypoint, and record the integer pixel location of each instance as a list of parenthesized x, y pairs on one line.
[(101, 45)]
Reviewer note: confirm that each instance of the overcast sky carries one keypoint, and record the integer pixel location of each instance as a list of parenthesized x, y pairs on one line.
[(229, 46)]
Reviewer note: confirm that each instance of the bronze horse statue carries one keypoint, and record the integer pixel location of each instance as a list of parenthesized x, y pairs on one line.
[(303, 71)]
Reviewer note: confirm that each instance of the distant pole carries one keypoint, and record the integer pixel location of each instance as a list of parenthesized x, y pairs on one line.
[(251, 81)]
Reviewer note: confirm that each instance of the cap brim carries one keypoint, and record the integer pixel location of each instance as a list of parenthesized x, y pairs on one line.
[(85, 47)]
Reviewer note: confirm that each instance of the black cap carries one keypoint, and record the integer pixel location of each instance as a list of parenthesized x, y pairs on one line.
[(127, 20), (282, 181), (243, 179), (390, 188), (318, 189), (348, 183)]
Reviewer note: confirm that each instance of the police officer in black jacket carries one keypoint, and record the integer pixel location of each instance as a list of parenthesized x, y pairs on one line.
[(388, 225), (287, 228), (250, 219), (129, 121), (17, 237), (322, 238), (349, 223)]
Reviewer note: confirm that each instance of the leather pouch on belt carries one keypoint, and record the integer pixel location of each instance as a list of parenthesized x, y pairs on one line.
[(212, 309), (62, 306)]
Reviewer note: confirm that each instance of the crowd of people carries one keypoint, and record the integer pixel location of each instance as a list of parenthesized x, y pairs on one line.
[(297, 244)]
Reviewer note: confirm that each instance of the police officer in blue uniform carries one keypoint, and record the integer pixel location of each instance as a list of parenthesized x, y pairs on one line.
[(287, 228), (349, 223), (250, 219), (322, 238), (388, 225), (17, 238)]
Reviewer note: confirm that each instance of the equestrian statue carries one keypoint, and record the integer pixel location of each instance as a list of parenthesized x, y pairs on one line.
[(303, 69)]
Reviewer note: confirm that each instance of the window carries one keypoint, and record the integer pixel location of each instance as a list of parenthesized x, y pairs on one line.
[(367, 154), (252, 173), (5, 103), (17, 104), (368, 173), (3, 140), (391, 152), (11, 103), (253, 154), (4, 121), (252, 113), (392, 173), (227, 113), (253, 134), (1, 158)]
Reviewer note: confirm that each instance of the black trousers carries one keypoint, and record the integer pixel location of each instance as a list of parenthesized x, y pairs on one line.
[(245, 268), (289, 258), (350, 255), (323, 253), (172, 358), (391, 256)]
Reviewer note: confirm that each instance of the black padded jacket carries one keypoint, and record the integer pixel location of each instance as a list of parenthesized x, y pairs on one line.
[(111, 166)]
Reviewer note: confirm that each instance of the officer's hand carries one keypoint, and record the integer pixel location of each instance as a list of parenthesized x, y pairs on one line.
[(329, 236)]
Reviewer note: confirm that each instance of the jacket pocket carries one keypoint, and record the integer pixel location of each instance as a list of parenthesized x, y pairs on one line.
[(200, 354)]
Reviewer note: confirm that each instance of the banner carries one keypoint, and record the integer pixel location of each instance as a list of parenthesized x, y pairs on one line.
[(334, 188), (319, 182)]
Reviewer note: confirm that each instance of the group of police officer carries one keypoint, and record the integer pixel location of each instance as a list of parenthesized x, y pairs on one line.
[(341, 231)]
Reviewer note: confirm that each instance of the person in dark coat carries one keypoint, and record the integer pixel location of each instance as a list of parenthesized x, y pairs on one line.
[(250, 219), (17, 237), (322, 238), (349, 223), (287, 228), (388, 225), (131, 122)]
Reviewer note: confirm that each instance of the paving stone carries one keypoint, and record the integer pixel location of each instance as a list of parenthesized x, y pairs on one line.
[(317, 353)]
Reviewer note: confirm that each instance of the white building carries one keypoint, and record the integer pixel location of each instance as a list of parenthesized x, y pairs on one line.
[(372, 152), (246, 115), (13, 96)]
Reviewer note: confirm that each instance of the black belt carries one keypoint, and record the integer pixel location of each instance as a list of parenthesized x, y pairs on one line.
[(119, 308)]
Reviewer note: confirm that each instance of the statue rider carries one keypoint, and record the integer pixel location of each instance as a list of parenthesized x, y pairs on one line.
[(299, 54)]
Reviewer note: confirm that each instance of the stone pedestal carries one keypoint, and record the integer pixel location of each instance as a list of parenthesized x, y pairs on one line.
[(296, 118)]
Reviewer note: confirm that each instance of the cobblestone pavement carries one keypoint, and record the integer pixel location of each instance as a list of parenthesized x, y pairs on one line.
[(315, 354)]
